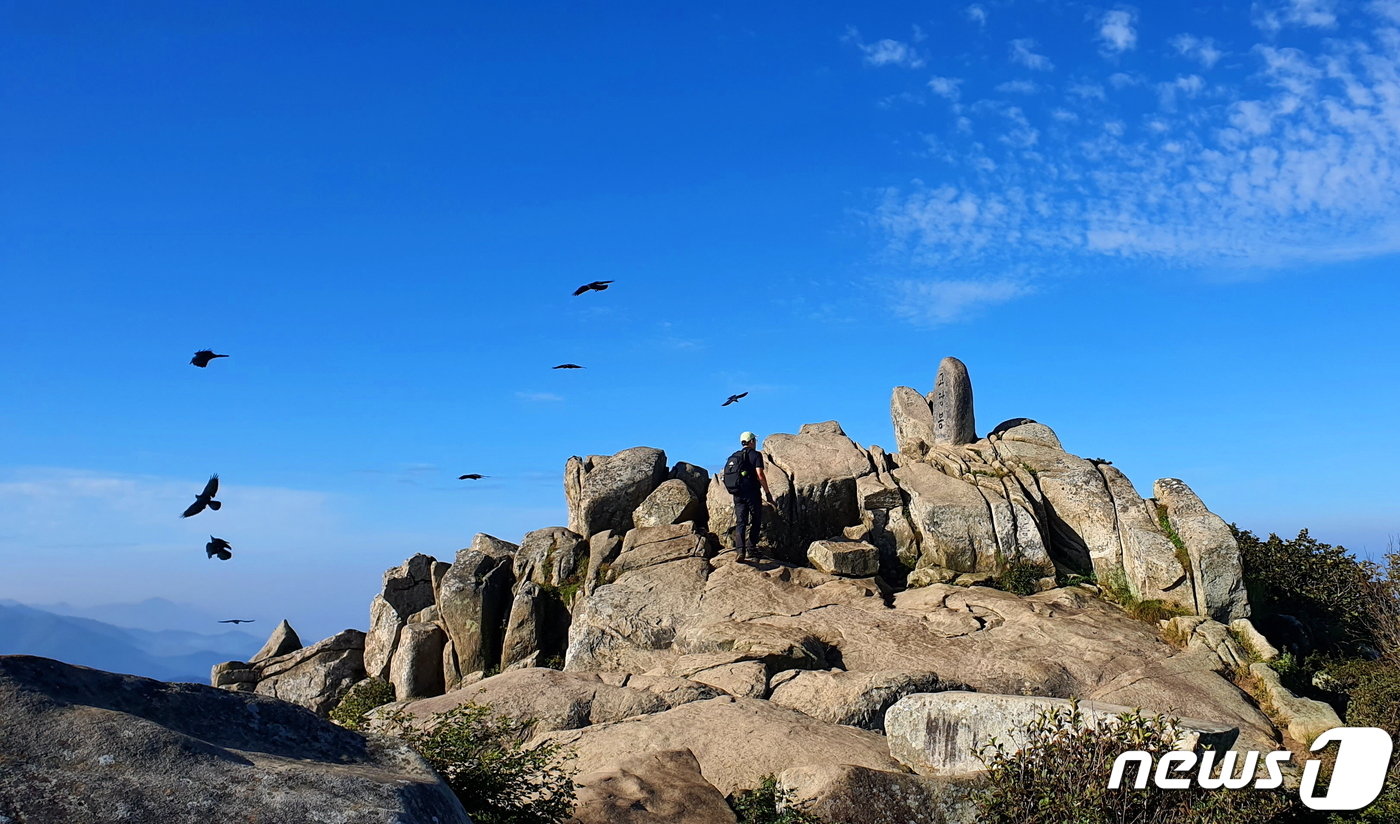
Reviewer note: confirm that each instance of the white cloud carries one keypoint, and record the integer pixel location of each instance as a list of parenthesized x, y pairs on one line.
[(977, 14), (1272, 16), (1202, 50), (887, 52), (1116, 32), (1183, 86), (945, 86), (1296, 161), (1017, 87), (935, 302), (1023, 52)]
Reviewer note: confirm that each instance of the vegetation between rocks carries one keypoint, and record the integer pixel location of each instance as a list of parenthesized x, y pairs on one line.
[(1116, 589), (768, 804), (1061, 777), (1022, 576), (359, 700), (483, 757)]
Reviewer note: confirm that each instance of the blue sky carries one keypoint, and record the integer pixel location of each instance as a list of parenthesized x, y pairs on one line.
[(1169, 233)]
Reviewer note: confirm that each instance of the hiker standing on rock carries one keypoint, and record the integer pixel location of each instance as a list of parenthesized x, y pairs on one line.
[(743, 477)]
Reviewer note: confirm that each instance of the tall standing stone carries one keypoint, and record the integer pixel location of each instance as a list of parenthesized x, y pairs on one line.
[(951, 399)]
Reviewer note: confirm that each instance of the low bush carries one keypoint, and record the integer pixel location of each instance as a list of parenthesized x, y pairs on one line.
[(363, 697), (768, 804), (483, 758), (1372, 691), (1115, 588), (1061, 777), (1320, 586), (1022, 577)]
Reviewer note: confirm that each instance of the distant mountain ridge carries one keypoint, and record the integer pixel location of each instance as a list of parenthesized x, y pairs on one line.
[(166, 654)]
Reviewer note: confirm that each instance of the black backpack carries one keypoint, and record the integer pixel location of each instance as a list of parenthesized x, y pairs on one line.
[(737, 478)]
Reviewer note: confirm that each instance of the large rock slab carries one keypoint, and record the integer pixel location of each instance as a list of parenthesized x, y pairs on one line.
[(954, 422), (859, 795), (649, 546), (938, 733), (1150, 564), (538, 625), (551, 557), (407, 588), (282, 641), (416, 669), (822, 465), (473, 601), (853, 559), (913, 422), (736, 740), (951, 518), (1304, 718), (672, 502), (859, 699), (1215, 555), (318, 676), (609, 489), (659, 787), (553, 700), (1081, 519), (83, 746), (630, 623)]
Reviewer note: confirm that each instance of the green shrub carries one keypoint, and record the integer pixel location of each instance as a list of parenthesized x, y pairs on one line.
[(363, 697), (1115, 588), (768, 804), (1061, 777), (483, 758), (1372, 690), (1022, 576), (1321, 585)]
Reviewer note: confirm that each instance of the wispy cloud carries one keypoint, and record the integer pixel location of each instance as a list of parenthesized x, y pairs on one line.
[(1274, 15), (1292, 156), (1017, 87), (1023, 52), (1116, 32), (1201, 49), (887, 52), (945, 87), (976, 13), (935, 302)]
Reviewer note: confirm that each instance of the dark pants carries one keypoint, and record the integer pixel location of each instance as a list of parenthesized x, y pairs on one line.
[(748, 515)]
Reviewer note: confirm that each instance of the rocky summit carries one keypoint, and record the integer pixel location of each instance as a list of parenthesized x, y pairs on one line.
[(857, 662)]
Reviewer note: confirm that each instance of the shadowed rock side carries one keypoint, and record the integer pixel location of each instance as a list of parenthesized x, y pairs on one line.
[(83, 746)]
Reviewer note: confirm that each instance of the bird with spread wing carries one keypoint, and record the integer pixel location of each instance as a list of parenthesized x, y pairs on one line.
[(205, 498)]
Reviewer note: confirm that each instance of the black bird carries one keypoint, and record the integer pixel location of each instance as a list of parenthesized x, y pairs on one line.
[(219, 547), (595, 286), (569, 366), (239, 621), (203, 356), (205, 498), (472, 477), (734, 398)]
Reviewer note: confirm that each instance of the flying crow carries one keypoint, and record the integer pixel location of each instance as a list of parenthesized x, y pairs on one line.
[(219, 547), (595, 286), (472, 477), (239, 621), (568, 366), (205, 498), (734, 398), (203, 356)]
